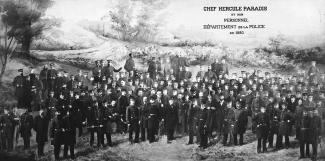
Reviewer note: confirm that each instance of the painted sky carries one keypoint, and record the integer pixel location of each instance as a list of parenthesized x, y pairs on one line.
[(302, 21)]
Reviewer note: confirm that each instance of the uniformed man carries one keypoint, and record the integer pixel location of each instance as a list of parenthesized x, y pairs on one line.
[(122, 103), (229, 124), (97, 71), (43, 77), (171, 117), (95, 123), (274, 115), (19, 84), (51, 76), (192, 119), (109, 70), (129, 64), (153, 119), (7, 124), (152, 70), (312, 73), (58, 132), (143, 116), (70, 126), (304, 124), (133, 120), (41, 123), (262, 126), (203, 117), (315, 132), (285, 126), (241, 118), (107, 121), (26, 125)]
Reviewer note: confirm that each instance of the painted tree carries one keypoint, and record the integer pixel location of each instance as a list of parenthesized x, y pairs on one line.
[(7, 45), (21, 21), (137, 19), (24, 20)]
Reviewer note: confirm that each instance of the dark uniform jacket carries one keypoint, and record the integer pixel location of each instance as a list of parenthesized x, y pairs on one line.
[(129, 65), (171, 116), (59, 130), (241, 119), (41, 128), (229, 121), (262, 125), (315, 129), (132, 114), (285, 123), (153, 116), (19, 83), (26, 125)]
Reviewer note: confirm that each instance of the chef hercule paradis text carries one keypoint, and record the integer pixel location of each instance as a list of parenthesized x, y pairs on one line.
[(235, 8)]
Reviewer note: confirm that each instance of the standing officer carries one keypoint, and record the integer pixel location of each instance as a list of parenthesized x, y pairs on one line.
[(129, 64), (143, 118), (41, 122), (203, 117), (96, 72), (133, 120), (26, 125), (19, 84), (285, 126), (7, 131), (304, 132), (229, 123), (95, 123), (262, 126), (171, 117), (192, 119), (241, 118), (107, 122), (109, 70), (153, 119), (315, 132), (58, 132), (274, 115), (51, 77), (70, 134), (152, 70)]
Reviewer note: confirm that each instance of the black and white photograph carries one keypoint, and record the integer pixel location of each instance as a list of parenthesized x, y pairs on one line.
[(162, 80)]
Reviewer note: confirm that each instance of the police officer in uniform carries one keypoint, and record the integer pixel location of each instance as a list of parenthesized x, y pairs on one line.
[(129, 64), (171, 117), (109, 70), (262, 127), (58, 133), (95, 121), (304, 133), (26, 125), (107, 122), (51, 76), (133, 120), (153, 119), (203, 117), (19, 84), (315, 132), (192, 119)]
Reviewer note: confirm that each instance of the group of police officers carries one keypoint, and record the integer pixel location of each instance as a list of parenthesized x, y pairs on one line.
[(167, 100)]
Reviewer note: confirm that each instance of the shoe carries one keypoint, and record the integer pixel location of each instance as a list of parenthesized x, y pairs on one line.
[(302, 157)]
